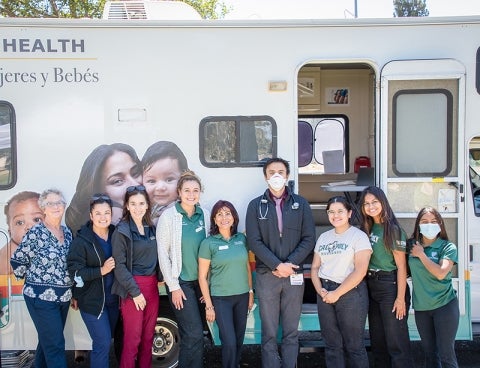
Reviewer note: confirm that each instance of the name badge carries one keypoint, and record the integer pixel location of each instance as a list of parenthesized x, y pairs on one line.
[(223, 247), (296, 279)]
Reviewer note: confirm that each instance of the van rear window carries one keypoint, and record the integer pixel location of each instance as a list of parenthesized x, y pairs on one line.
[(237, 141), (8, 173)]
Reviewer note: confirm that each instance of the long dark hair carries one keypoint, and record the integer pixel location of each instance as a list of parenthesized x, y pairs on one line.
[(131, 191), (90, 182), (215, 209), (391, 228), (416, 229)]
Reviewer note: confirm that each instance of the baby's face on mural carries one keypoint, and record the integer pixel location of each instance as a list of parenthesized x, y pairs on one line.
[(160, 181), (22, 216)]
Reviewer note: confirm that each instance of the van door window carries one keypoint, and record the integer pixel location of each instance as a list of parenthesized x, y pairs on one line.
[(237, 141), (422, 127)]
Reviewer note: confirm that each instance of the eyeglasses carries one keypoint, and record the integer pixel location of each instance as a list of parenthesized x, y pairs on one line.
[(136, 188), (373, 203), (339, 212), (55, 204)]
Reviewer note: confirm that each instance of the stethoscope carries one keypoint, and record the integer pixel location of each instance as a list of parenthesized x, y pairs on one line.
[(264, 201), (263, 216)]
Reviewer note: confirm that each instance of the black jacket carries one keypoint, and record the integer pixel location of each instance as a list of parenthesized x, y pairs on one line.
[(85, 259), (263, 237), (122, 243)]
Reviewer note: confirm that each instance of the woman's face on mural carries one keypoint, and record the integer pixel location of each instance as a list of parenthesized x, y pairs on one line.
[(119, 172)]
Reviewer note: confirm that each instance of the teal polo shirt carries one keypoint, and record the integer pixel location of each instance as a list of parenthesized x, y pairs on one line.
[(193, 232), (382, 258), (228, 264), (428, 292)]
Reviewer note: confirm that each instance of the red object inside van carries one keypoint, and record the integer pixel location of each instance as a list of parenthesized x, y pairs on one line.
[(361, 161)]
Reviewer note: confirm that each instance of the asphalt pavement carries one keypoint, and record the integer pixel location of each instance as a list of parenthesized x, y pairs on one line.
[(468, 355)]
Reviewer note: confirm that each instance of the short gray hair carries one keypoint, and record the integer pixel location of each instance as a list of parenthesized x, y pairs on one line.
[(43, 197)]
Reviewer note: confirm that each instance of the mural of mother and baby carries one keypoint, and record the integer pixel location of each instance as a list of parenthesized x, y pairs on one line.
[(112, 168), (109, 169)]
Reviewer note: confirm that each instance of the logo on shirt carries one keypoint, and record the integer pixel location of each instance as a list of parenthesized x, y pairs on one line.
[(332, 248), (434, 256)]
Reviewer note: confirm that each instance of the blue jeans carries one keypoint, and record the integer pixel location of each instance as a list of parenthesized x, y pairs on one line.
[(49, 320), (231, 317), (279, 301), (437, 329), (343, 326), (190, 326), (388, 335), (101, 331)]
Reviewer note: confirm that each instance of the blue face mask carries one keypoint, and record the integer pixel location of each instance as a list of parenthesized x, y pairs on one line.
[(429, 231)]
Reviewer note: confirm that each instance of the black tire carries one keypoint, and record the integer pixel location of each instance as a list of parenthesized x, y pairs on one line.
[(166, 343)]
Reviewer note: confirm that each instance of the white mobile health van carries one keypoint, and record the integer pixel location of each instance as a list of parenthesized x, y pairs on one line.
[(399, 95)]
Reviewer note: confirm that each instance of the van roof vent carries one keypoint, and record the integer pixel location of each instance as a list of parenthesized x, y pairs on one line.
[(125, 10), (149, 9)]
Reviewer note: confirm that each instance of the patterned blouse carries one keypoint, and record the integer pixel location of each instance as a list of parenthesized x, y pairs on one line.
[(42, 260)]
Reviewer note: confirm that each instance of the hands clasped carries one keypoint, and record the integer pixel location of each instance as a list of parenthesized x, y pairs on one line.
[(328, 297), (285, 269)]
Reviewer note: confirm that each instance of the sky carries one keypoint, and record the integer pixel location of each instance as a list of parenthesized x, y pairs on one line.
[(308, 9)]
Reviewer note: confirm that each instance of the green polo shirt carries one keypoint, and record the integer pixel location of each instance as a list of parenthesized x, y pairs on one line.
[(228, 264), (193, 232), (382, 258), (429, 292)]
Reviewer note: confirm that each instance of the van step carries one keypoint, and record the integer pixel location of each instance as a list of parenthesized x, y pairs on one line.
[(309, 308), (312, 342), (311, 346)]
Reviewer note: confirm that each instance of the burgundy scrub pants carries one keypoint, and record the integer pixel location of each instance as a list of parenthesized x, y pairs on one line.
[(139, 326)]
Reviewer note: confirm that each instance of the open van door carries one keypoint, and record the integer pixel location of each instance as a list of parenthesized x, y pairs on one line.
[(473, 224), (420, 139)]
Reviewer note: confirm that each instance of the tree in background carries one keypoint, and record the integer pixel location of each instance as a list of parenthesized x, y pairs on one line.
[(410, 8), (208, 9), (52, 8)]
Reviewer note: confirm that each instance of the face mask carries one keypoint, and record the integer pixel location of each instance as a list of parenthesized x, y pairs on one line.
[(429, 231), (276, 182)]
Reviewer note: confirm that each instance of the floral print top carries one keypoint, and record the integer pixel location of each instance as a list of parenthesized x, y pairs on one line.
[(42, 260)]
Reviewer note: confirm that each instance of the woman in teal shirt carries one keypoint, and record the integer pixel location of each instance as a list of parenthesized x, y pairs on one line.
[(389, 295), (224, 255), (435, 301), (180, 230)]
